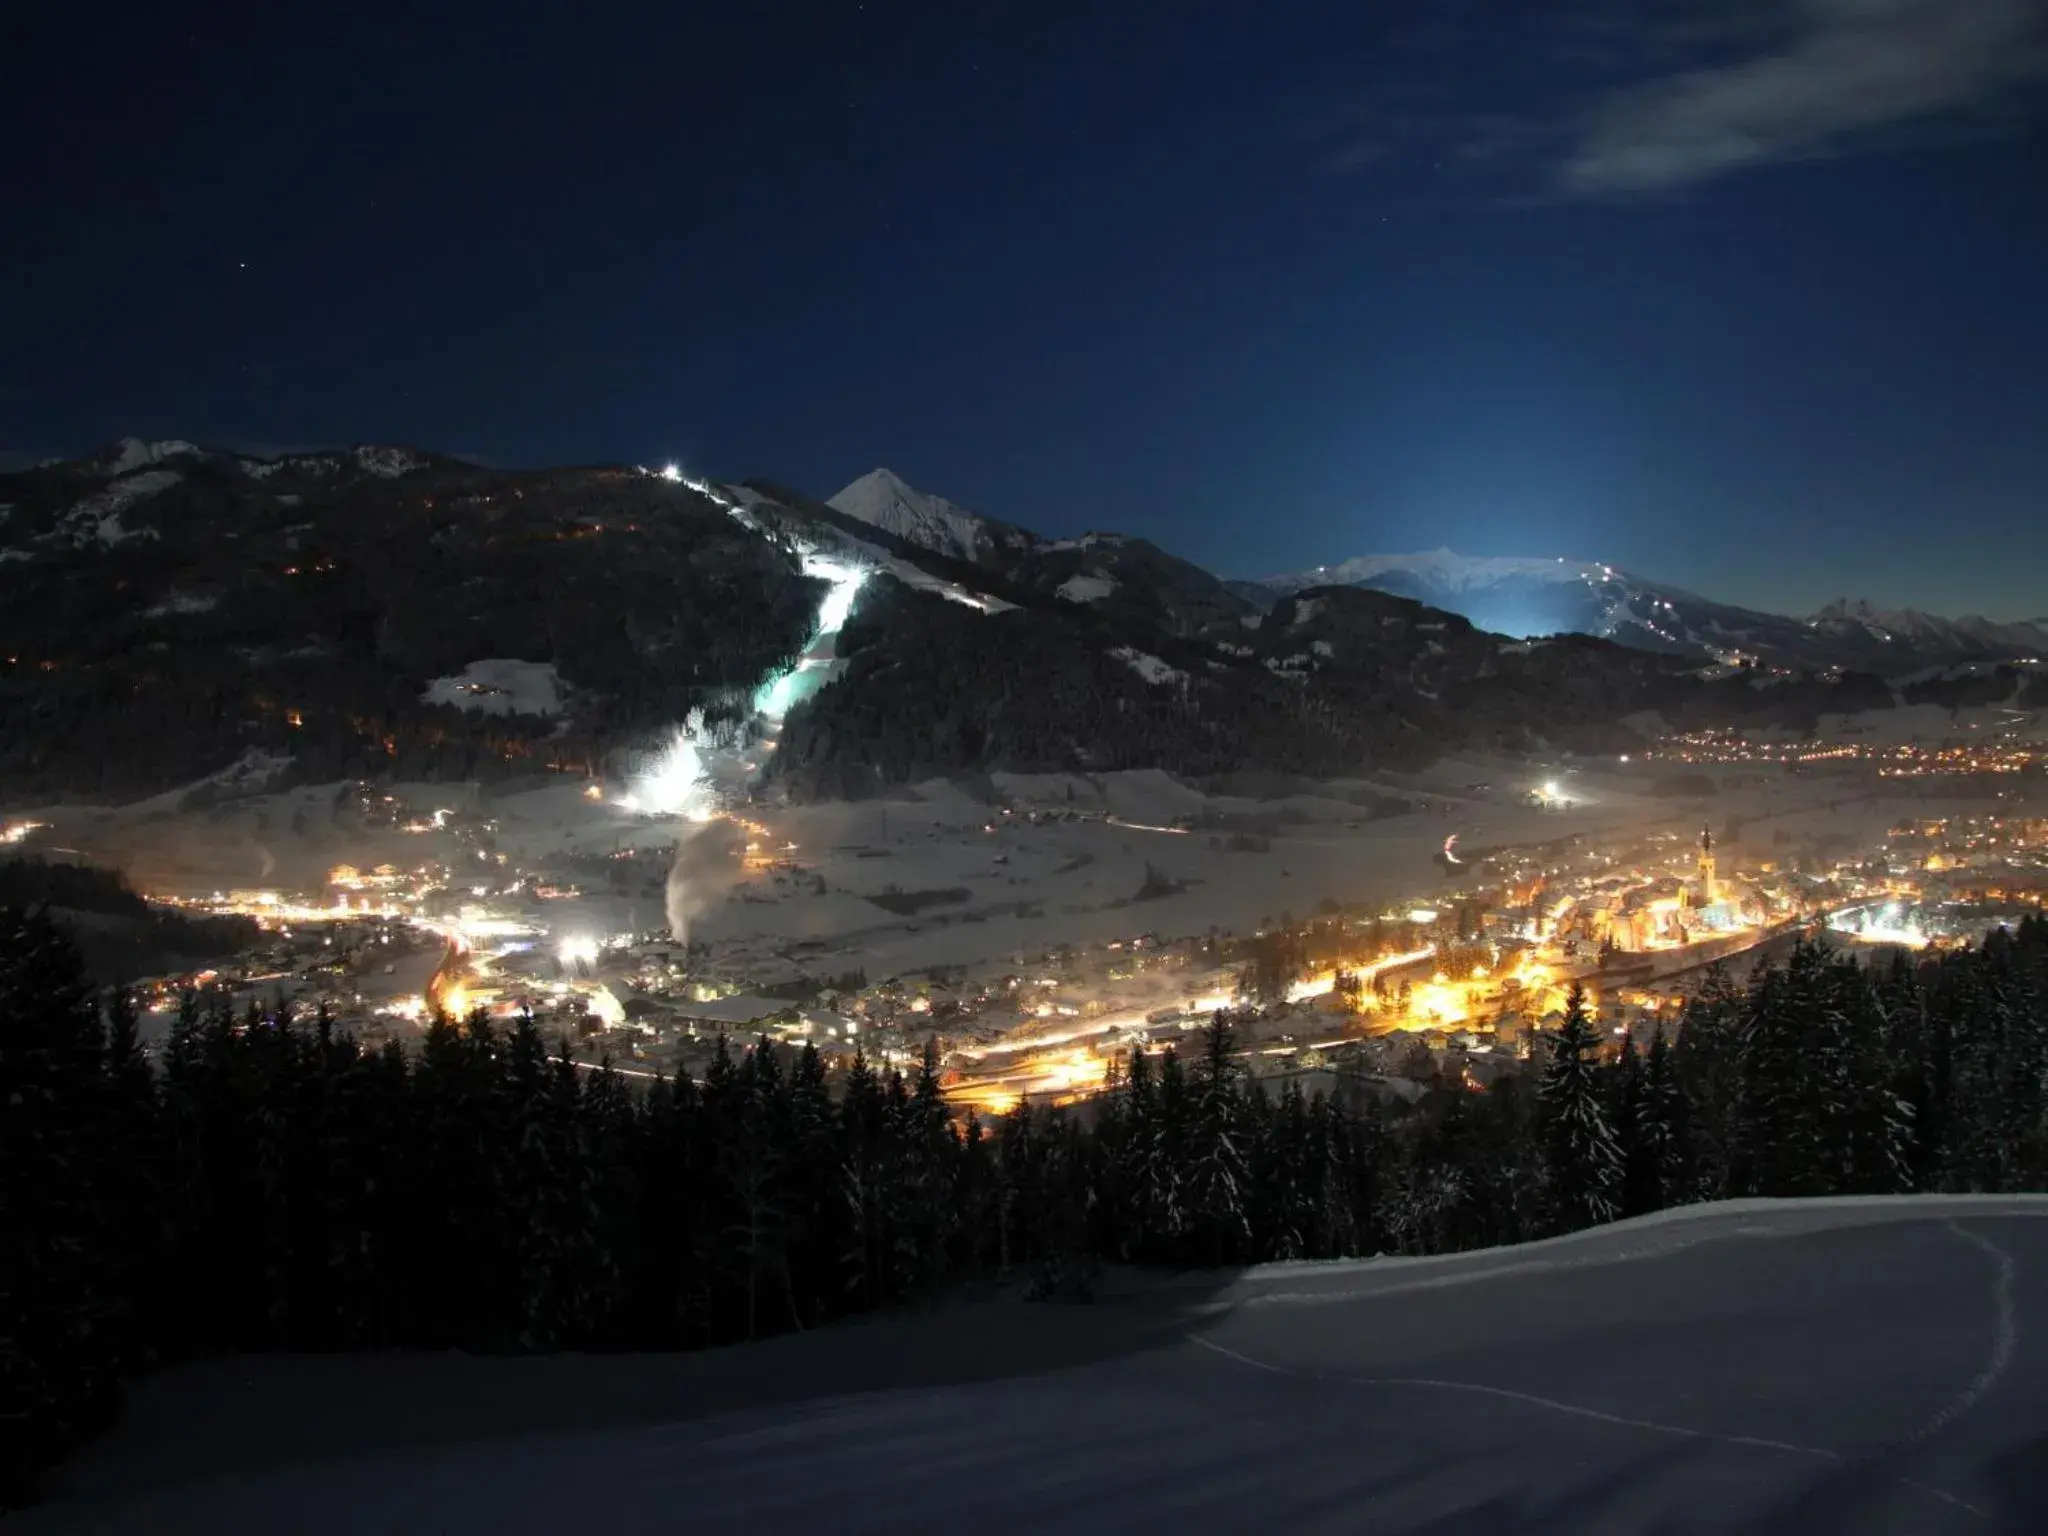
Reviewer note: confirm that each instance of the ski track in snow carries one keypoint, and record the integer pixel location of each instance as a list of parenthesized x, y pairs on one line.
[(1577, 1410), (1463, 1276), (2005, 1339), (2004, 1344)]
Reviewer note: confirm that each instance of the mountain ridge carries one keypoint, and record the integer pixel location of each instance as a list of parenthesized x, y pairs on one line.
[(167, 608), (1529, 596)]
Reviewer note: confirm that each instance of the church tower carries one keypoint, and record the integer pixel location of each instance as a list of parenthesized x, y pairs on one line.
[(1709, 891)]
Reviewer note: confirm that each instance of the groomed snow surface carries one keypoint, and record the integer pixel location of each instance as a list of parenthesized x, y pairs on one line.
[(1863, 1366), (500, 686)]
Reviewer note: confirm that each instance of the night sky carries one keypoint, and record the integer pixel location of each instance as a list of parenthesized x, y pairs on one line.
[(1748, 296)]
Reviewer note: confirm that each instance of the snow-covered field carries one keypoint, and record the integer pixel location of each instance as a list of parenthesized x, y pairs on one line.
[(1001, 885), (500, 686), (1846, 1366)]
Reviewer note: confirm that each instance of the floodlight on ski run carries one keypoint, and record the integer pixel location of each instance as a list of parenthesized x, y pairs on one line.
[(676, 783), (846, 579)]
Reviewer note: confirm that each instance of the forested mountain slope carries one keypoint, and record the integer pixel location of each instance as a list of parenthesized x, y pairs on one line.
[(168, 611)]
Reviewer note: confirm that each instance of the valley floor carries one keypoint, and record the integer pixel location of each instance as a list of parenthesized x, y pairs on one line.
[(1850, 1365), (1078, 859)]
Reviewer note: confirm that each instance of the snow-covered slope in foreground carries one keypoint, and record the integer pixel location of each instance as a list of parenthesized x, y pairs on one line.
[(1840, 1366)]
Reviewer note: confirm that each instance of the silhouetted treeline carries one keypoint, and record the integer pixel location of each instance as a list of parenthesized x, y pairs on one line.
[(118, 933), (265, 1183)]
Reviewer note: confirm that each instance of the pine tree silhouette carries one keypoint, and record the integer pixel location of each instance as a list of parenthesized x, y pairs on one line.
[(1582, 1164), (264, 1182)]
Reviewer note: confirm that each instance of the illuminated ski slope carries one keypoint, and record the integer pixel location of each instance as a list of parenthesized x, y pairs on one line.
[(700, 767)]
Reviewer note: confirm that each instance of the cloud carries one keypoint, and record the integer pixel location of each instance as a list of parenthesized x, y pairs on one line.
[(1847, 72), (1609, 99)]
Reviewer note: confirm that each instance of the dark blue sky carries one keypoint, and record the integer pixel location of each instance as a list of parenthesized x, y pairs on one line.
[(1749, 295)]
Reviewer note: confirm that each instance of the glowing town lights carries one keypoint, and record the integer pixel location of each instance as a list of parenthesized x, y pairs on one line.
[(578, 949), (18, 831), (1421, 914)]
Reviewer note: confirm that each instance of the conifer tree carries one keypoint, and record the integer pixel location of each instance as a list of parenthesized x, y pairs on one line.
[(268, 1183), (1218, 1195), (1775, 1140), (929, 1151), (60, 1313), (1581, 1164), (1706, 1063), (1666, 1130)]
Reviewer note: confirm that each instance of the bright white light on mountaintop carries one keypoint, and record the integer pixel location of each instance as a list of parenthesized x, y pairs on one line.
[(671, 472)]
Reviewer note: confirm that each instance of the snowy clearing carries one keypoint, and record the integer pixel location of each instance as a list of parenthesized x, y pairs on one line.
[(1085, 589), (500, 686), (1148, 666), (181, 602)]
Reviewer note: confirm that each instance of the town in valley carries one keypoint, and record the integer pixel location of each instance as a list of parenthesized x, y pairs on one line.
[(1377, 936)]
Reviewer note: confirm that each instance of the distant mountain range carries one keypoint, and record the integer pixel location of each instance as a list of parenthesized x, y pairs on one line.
[(1522, 597), (1540, 597), (168, 610)]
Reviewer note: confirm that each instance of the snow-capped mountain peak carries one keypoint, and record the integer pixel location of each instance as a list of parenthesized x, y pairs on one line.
[(884, 499), (1445, 570), (385, 461), (1862, 611), (133, 453), (1540, 595), (1515, 595), (1911, 626)]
